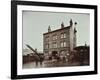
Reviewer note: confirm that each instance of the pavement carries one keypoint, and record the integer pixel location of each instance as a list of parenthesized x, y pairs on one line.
[(49, 64)]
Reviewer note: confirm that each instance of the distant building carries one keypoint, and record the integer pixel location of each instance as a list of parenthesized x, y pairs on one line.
[(62, 41), (30, 56), (26, 52), (83, 53)]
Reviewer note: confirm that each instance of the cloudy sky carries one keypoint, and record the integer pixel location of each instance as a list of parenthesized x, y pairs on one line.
[(36, 23)]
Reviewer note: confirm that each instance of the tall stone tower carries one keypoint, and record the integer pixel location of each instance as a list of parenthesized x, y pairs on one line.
[(72, 35)]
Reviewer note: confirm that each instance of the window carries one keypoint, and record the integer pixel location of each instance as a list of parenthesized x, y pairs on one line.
[(54, 37), (47, 46), (50, 44), (47, 38), (55, 45), (63, 44), (63, 35)]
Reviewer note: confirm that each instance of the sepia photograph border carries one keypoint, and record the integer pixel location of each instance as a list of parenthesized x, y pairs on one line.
[(14, 40)]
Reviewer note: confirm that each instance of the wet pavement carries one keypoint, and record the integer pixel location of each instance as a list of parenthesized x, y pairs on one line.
[(49, 64)]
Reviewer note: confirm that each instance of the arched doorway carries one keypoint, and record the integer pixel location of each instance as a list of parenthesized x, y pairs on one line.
[(63, 55), (55, 55)]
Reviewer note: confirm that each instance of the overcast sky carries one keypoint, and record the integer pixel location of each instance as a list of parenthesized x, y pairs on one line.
[(36, 23)]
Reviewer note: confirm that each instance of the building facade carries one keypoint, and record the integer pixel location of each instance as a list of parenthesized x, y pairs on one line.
[(81, 55), (62, 41)]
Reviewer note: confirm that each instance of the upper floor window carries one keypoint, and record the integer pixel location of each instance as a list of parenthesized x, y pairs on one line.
[(55, 45), (47, 38), (54, 37), (63, 35), (47, 46), (63, 44), (50, 44)]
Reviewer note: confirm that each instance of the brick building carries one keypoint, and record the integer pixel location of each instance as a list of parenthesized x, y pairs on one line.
[(61, 41)]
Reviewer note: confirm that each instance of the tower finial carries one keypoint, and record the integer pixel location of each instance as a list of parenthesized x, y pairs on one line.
[(75, 27), (71, 22), (62, 25), (49, 29), (85, 43)]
